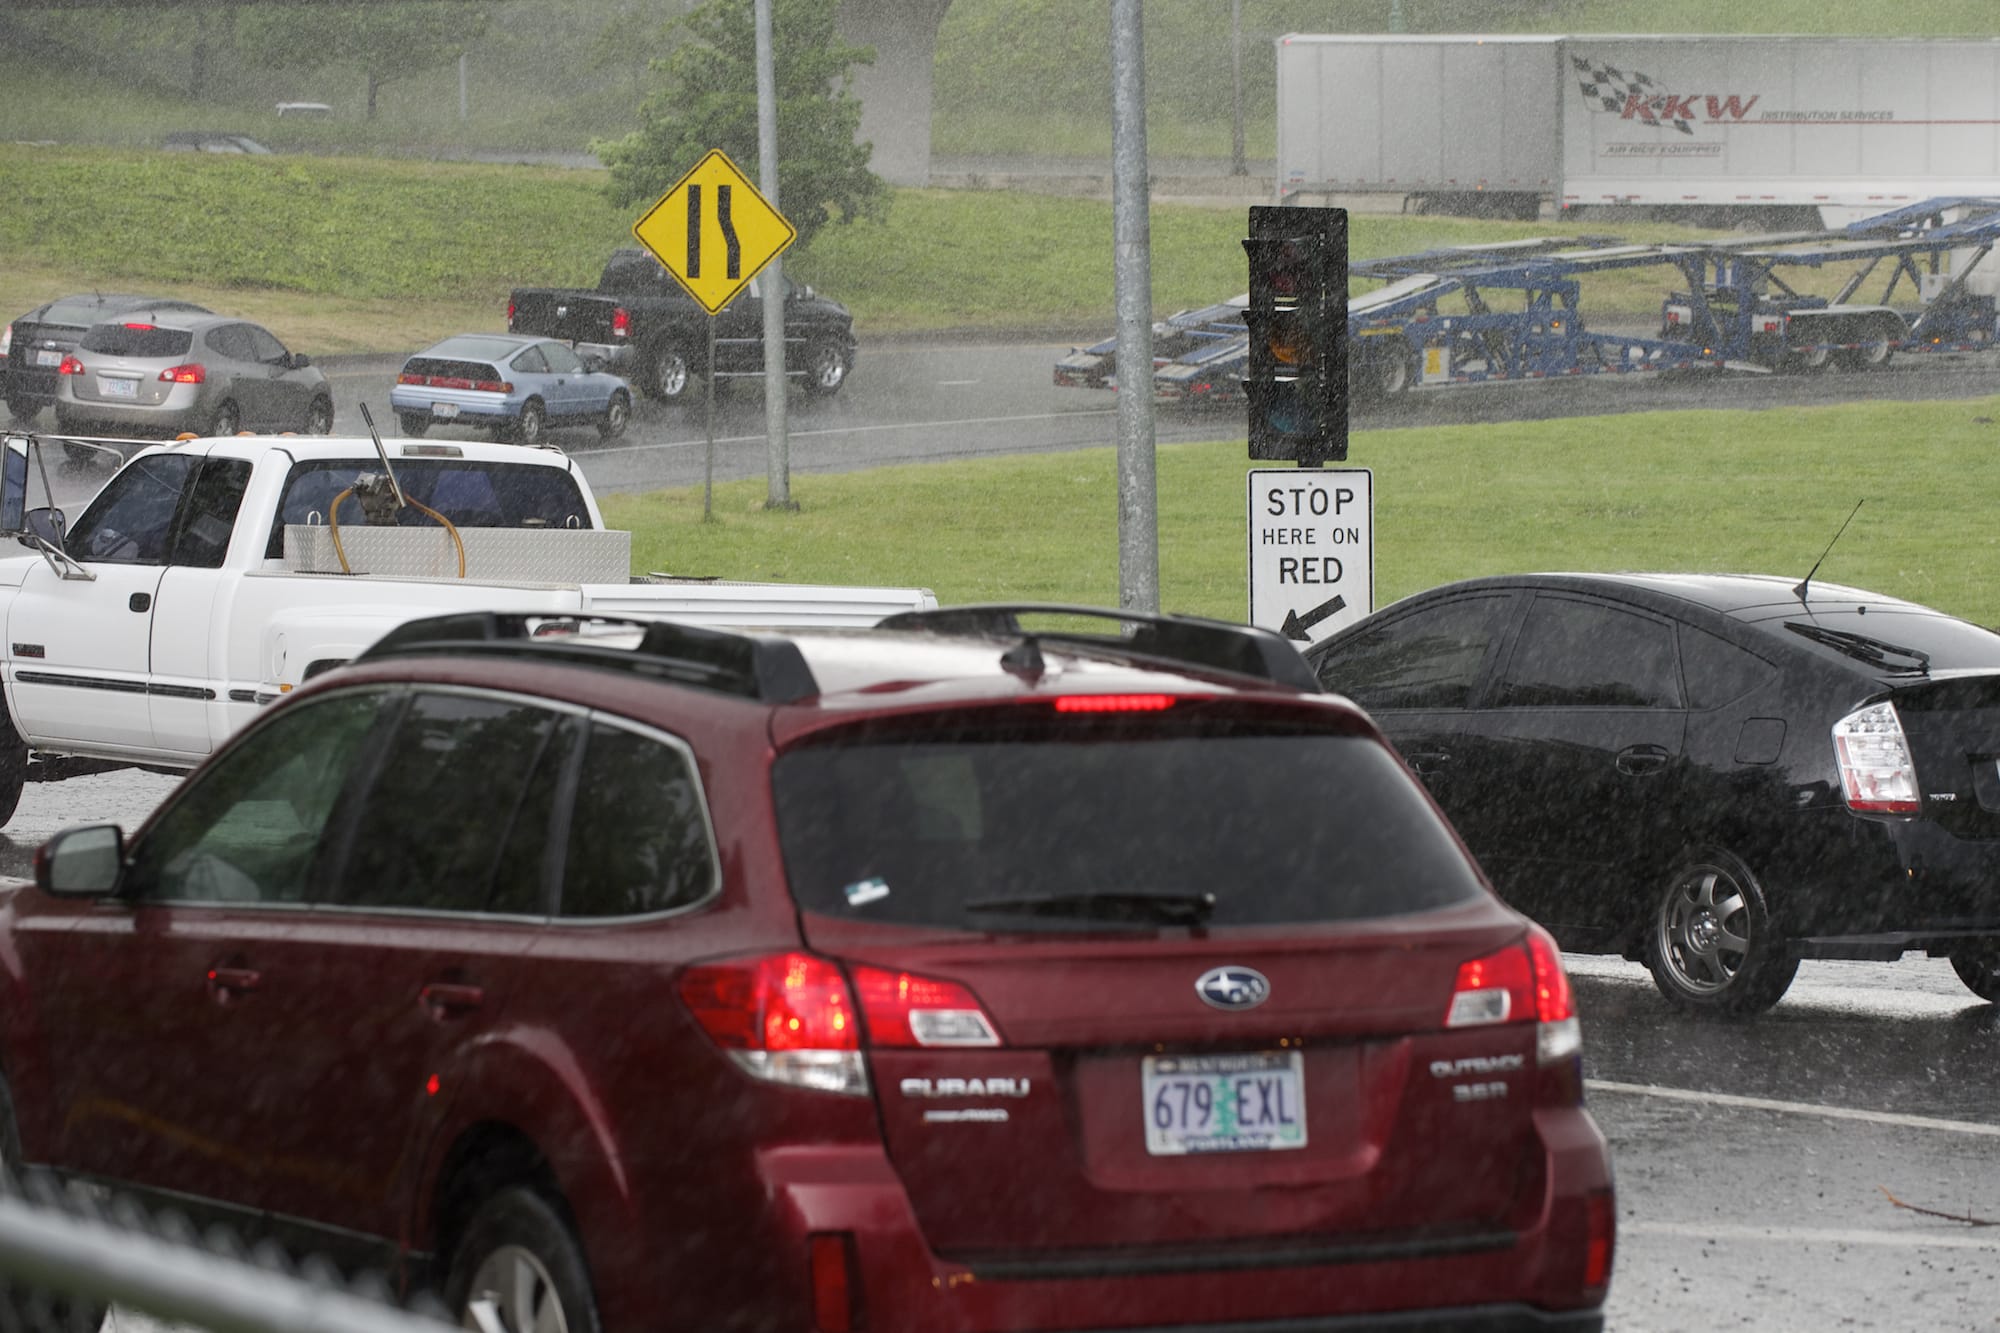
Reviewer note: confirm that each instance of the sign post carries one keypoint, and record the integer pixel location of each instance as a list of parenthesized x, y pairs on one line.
[(1312, 549), (714, 232)]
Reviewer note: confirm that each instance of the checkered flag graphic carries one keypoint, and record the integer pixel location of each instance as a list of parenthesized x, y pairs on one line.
[(1611, 88)]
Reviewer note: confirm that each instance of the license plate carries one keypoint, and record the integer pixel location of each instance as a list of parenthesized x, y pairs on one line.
[(444, 410), (118, 388), (1254, 1102), (47, 356)]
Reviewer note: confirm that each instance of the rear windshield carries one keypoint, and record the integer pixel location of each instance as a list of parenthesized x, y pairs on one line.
[(437, 367), (471, 494), (1873, 638), (140, 340), (1014, 832)]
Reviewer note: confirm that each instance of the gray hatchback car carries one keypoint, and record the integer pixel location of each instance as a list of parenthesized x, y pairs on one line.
[(164, 374)]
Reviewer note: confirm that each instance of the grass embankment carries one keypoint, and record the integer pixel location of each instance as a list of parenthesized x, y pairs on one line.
[(1759, 492), (357, 254)]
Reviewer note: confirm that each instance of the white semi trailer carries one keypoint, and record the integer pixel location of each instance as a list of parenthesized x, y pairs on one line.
[(1706, 128)]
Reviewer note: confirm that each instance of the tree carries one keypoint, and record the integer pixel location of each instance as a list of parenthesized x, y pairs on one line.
[(708, 99), (387, 41)]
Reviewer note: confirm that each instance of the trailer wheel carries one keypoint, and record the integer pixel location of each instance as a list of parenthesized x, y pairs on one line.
[(1873, 355), (1807, 361)]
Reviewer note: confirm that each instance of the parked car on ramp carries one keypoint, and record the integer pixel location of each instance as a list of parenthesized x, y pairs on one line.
[(896, 979), (163, 374), (33, 346), (515, 386), (1720, 774)]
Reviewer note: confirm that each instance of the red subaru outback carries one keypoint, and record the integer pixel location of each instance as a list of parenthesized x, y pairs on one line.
[(996, 969)]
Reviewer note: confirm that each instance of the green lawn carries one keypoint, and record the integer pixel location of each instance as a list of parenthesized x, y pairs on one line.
[(1759, 492)]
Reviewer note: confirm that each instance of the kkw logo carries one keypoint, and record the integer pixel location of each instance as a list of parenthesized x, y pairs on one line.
[(1638, 97)]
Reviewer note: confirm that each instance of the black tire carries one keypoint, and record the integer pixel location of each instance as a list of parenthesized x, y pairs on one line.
[(518, 1252), (617, 416), (37, 1309), (1978, 966), (413, 424), (22, 409), (532, 426), (826, 368), (228, 419), (1711, 942), (79, 455), (1392, 377), (1872, 355), (319, 417), (13, 768), (1808, 362), (669, 373)]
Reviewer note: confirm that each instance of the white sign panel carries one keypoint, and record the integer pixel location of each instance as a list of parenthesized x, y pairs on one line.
[(1312, 549)]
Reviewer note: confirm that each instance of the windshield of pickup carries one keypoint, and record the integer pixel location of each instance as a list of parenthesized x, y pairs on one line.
[(469, 492)]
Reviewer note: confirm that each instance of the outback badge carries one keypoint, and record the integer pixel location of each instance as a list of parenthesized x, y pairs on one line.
[(1233, 987)]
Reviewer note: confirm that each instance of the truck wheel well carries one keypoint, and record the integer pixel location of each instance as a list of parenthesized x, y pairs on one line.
[(321, 667)]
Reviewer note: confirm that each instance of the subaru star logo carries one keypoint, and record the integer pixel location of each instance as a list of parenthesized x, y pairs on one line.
[(1233, 987)]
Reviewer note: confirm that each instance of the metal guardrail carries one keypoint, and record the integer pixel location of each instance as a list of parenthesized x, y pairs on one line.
[(63, 1252)]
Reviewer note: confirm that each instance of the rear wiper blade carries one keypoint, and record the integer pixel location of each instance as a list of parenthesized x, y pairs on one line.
[(1879, 652), (1174, 909)]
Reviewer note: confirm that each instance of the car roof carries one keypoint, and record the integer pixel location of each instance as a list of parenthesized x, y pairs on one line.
[(480, 346), (116, 303), (1743, 596)]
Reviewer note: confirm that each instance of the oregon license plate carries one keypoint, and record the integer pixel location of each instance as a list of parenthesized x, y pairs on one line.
[(1252, 1102), (444, 410), (47, 356), (118, 388)]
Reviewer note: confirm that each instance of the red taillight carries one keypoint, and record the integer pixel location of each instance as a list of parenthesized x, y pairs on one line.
[(70, 366), (830, 1254), (903, 1009), (143, 328), (785, 1018), (6, 340), (510, 316), (493, 386), (455, 382), (1521, 983), (1877, 775), (781, 1002), (621, 322), (407, 378), (1113, 703), (191, 373)]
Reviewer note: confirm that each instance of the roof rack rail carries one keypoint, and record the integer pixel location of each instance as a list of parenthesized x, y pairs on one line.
[(753, 666), (1243, 650)]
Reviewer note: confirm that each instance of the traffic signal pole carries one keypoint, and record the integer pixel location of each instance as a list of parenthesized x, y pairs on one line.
[(1132, 267)]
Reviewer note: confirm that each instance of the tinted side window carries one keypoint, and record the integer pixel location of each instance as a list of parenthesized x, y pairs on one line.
[(210, 514), (1717, 671), (1578, 654), (430, 830), (1427, 659), (132, 518), (230, 340), (502, 495), (264, 345), (248, 828), (638, 839)]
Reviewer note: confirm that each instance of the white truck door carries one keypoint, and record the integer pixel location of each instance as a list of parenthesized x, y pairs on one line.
[(80, 651), (191, 611)]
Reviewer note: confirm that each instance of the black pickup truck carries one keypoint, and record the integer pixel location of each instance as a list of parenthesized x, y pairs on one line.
[(645, 327)]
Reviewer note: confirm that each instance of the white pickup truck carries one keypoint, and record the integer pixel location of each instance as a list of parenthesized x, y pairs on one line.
[(210, 576)]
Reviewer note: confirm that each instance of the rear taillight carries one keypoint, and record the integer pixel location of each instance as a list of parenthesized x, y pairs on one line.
[(621, 322), (788, 1018), (1603, 1221), (510, 316), (1876, 774), (6, 340), (1521, 983), (70, 366), (191, 373), (1113, 703), (903, 1009)]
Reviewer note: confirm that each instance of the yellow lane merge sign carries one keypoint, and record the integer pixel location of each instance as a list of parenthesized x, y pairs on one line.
[(714, 231)]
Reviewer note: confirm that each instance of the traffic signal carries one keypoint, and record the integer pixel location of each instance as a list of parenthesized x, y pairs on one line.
[(1296, 380)]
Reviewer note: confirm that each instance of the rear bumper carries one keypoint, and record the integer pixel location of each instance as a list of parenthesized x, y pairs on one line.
[(1850, 886)]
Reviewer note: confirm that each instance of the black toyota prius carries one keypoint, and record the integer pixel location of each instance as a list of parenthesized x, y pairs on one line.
[(1718, 774)]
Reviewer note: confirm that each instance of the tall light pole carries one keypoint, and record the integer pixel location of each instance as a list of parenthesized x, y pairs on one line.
[(778, 489), (1132, 270)]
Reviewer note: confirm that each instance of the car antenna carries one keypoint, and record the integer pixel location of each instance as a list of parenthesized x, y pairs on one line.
[(1804, 583)]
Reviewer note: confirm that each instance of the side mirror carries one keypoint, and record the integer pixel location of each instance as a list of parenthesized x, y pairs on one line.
[(47, 524), (81, 862), (593, 363), (300, 360)]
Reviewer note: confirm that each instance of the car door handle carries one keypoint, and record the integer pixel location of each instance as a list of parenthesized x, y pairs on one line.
[(224, 982), (1638, 761), (1431, 761), (447, 999)]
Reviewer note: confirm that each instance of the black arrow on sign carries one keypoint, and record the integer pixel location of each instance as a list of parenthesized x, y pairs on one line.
[(1296, 625)]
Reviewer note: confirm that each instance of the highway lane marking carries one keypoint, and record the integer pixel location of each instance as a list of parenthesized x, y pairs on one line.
[(1971, 1127), (1807, 1236), (587, 455)]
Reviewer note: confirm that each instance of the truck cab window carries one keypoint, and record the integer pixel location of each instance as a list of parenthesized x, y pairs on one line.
[(210, 513), (132, 519)]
